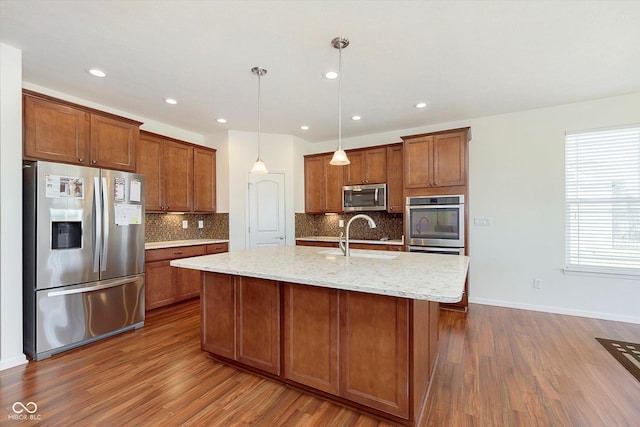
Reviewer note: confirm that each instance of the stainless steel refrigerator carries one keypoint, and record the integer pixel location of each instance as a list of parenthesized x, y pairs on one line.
[(83, 242)]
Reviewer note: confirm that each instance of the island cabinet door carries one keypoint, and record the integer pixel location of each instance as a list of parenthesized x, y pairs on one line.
[(217, 303), (374, 355), (311, 336), (258, 323)]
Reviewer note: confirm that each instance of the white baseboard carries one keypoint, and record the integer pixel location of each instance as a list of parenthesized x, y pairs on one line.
[(556, 310), (15, 361)]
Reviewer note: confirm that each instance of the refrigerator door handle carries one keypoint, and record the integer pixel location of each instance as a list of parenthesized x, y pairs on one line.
[(98, 225), (105, 206), (111, 284)]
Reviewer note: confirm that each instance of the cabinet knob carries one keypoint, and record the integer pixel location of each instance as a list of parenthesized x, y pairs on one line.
[(94, 161), (81, 159)]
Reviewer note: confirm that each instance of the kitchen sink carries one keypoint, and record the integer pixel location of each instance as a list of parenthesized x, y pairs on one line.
[(356, 254)]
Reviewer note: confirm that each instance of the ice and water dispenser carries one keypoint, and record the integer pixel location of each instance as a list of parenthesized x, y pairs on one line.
[(66, 228)]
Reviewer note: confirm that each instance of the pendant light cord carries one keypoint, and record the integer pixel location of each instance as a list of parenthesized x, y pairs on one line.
[(340, 96), (259, 127)]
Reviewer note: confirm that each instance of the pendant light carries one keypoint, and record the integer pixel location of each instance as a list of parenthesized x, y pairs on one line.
[(339, 157), (258, 166)]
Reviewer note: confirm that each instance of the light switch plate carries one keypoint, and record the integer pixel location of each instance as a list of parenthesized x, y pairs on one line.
[(200, 224), (185, 224), (341, 223), (479, 221)]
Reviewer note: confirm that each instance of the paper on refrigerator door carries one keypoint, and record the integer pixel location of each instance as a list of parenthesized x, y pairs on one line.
[(119, 189), (126, 214), (57, 187), (134, 192)]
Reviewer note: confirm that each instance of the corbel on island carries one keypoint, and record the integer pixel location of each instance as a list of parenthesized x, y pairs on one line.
[(361, 330)]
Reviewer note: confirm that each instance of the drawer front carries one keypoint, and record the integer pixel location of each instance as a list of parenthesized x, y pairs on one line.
[(174, 253), (216, 248)]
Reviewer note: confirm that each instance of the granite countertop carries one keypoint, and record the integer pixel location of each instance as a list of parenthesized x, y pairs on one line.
[(431, 277), (334, 239), (177, 243)]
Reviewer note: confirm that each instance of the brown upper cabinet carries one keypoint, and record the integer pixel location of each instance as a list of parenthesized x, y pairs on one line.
[(60, 131), (368, 166), (436, 159), (395, 202), (204, 180), (169, 167), (322, 184)]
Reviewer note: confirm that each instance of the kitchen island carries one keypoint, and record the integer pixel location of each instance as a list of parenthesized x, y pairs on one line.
[(361, 331)]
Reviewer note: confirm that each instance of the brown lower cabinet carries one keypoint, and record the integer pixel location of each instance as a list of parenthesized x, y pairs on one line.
[(241, 320), (166, 285), (374, 353)]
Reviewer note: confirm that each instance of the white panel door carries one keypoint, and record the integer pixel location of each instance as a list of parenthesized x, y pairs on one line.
[(266, 210)]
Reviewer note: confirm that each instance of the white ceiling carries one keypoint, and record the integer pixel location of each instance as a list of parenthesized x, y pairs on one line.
[(466, 58)]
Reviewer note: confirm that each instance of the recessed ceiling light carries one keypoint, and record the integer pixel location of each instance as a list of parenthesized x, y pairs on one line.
[(304, 127), (331, 75), (421, 105), (356, 118), (221, 120), (97, 73), (170, 101)]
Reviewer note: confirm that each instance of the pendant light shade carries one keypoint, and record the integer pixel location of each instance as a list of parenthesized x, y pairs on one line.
[(339, 157), (258, 166)]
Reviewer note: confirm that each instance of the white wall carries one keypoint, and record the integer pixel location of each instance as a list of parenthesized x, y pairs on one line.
[(516, 177), (10, 207), (277, 153)]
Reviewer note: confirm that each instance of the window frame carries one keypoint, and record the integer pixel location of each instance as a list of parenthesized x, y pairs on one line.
[(573, 248)]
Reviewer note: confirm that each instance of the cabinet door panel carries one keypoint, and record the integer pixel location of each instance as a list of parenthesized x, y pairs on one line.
[(159, 289), (313, 184), (217, 304), (449, 167), (417, 162), (55, 132), (354, 172), (374, 351), (149, 164), (258, 323), (311, 336), (113, 143), (333, 186), (187, 283), (178, 176), (204, 180), (395, 200), (376, 166)]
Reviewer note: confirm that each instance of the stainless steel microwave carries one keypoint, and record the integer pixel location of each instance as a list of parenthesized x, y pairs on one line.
[(369, 197)]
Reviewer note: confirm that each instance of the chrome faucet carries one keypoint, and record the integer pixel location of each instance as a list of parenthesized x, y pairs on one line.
[(345, 246)]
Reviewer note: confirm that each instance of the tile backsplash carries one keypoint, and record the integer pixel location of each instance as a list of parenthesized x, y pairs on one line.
[(163, 227), (387, 225)]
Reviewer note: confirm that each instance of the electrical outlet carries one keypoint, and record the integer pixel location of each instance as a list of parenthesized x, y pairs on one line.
[(200, 224), (341, 223), (537, 283), (185, 224)]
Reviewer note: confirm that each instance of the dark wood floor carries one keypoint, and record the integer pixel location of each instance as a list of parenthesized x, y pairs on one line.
[(498, 367)]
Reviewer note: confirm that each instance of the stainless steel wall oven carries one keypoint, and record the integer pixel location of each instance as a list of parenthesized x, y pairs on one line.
[(435, 224)]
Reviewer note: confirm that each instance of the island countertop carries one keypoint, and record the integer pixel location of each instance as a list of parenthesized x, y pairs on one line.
[(432, 277)]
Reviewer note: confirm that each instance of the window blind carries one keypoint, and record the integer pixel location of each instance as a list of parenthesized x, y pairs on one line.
[(602, 195)]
